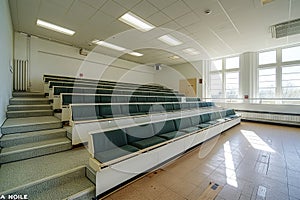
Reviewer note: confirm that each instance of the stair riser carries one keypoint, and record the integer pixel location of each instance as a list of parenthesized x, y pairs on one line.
[(90, 175), (29, 114), (14, 142), (24, 102), (29, 128), (89, 193), (35, 189), (46, 107), (6, 158)]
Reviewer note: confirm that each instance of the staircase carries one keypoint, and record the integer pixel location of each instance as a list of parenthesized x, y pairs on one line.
[(31, 135)]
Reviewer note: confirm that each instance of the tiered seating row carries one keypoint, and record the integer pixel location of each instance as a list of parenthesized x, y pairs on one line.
[(114, 144), (48, 78), (51, 84), (123, 153), (85, 112), (67, 99)]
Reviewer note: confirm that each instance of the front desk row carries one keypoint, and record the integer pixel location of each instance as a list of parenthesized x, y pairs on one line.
[(122, 154)]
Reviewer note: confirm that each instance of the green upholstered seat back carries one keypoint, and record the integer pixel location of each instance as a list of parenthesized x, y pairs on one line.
[(109, 140), (137, 133), (164, 127)]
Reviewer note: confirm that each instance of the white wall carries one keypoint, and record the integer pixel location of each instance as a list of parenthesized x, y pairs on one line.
[(6, 56), (47, 57), (170, 76)]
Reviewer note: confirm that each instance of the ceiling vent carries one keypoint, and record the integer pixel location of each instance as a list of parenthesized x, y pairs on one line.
[(286, 28)]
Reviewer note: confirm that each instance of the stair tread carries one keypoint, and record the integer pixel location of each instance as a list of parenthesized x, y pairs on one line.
[(30, 134), (28, 111), (28, 93), (31, 170), (39, 144), (34, 105), (29, 99), (65, 190), (16, 122)]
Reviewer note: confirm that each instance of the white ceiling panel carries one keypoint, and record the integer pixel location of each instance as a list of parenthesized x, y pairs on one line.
[(75, 15), (98, 19), (144, 9), (177, 9), (97, 4), (128, 4), (113, 9), (158, 18), (161, 4), (188, 19)]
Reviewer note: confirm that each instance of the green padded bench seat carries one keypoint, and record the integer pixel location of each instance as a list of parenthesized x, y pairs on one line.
[(185, 125), (111, 154), (110, 145), (231, 114), (167, 129), (143, 136), (142, 144), (171, 135)]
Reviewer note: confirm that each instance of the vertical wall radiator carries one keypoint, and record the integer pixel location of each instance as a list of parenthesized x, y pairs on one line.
[(21, 75)]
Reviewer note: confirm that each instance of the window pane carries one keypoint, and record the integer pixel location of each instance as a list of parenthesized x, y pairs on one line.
[(291, 54), (291, 82), (267, 83), (215, 85), (233, 62), (267, 57), (232, 84), (216, 65)]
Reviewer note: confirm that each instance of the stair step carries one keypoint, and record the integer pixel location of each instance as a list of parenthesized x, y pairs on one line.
[(64, 185), (28, 113), (35, 149), (29, 107), (29, 137), (28, 124), (28, 94), (91, 174), (28, 101)]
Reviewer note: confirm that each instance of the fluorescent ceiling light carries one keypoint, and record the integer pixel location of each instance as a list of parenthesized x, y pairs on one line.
[(108, 45), (136, 54), (191, 51), (170, 40), (174, 57), (54, 27), (136, 22)]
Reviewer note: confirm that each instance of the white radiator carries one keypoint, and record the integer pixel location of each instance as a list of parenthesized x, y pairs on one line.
[(271, 117), (21, 78)]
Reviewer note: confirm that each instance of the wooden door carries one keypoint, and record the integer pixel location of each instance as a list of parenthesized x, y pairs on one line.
[(188, 87)]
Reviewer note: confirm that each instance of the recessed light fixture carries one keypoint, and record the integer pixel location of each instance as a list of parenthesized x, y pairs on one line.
[(174, 57), (54, 27), (191, 51), (136, 54), (108, 45), (170, 40), (136, 22)]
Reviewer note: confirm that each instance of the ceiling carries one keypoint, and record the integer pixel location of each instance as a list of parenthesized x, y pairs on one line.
[(234, 26)]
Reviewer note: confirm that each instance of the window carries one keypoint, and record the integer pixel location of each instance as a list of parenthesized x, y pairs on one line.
[(216, 83), (232, 84), (291, 82), (267, 83), (268, 57), (291, 54), (232, 63), (224, 80), (216, 65)]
